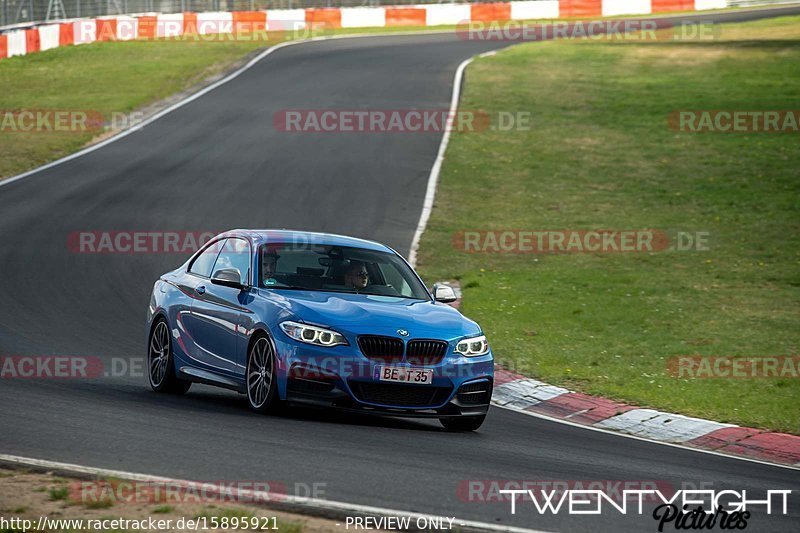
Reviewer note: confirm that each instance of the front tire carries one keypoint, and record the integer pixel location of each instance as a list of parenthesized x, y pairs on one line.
[(160, 363), (463, 423), (261, 379)]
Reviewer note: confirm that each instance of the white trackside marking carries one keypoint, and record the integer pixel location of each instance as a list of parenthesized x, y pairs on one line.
[(661, 426), (433, 177), (524, 393), (279, 500)]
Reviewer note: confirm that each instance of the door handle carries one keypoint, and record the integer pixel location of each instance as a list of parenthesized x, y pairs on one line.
[(201, 289)]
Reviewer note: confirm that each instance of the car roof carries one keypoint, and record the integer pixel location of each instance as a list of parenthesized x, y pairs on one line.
[(267, 236)]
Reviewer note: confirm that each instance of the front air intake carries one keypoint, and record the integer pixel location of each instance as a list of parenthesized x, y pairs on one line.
[(426, 352), (383, 348)]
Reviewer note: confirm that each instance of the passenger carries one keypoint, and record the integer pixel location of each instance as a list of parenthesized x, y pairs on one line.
[(269, 265)]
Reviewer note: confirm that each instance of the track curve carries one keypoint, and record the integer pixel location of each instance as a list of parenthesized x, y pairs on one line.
[(217, 163)]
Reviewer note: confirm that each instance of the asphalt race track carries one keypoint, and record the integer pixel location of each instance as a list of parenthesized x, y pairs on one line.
[(217, 163)]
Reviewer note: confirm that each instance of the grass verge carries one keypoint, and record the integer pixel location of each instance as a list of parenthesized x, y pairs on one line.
[(81, 506), (601, 155)]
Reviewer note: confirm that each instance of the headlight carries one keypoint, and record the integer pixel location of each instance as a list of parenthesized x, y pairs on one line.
[(312, 334), (473, 347)]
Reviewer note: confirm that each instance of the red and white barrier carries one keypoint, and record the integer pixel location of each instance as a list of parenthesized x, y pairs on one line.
[(613, 8), (286, 19), (171, 25), (16, 45), (441, 14), (363, 17), (84, 31), (49, 36), (127, 28), (547, 9)]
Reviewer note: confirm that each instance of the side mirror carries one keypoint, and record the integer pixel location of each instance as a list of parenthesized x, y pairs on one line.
[(228, 277), (444, 294)]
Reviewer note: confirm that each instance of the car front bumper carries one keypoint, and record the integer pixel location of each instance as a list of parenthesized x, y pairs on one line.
[(346, 380)]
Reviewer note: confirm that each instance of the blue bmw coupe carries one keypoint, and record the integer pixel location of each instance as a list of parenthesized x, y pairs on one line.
[(327, 320)]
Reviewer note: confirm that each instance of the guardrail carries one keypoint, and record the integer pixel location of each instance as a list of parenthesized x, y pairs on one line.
[(27, 12), (255, 23), (22, 13)]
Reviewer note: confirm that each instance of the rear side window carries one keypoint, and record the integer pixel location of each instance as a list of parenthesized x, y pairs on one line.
[(235, 254), (204, 262)]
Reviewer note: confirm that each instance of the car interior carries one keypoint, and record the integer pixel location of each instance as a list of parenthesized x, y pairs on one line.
[(295, 268)]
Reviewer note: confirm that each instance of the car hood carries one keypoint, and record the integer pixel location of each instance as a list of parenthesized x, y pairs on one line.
[(359, 313)]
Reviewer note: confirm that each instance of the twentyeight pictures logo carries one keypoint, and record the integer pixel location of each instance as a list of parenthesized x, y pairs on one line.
[(683, 509)]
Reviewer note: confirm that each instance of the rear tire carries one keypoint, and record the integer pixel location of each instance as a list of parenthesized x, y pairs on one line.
[(261, 382), (463, 423), (160, 363)]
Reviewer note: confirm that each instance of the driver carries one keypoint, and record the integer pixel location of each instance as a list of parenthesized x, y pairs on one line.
[(356, 277)]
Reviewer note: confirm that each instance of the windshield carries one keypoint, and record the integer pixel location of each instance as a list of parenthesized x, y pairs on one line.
[(337, 269)]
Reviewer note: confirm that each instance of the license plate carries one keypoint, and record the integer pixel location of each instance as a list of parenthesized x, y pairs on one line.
[(400, 374)]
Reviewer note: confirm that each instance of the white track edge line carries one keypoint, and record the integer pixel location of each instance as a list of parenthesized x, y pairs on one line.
[(645, 439), (433, 177), (294, 501)]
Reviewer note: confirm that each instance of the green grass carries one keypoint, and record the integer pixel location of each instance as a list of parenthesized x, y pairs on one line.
[(105, 503), (58, 493), (600, 155), (162, 509)]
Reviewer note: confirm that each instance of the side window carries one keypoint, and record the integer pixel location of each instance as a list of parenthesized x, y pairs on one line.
[(395, 279), (205, 261), (235, 254)]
